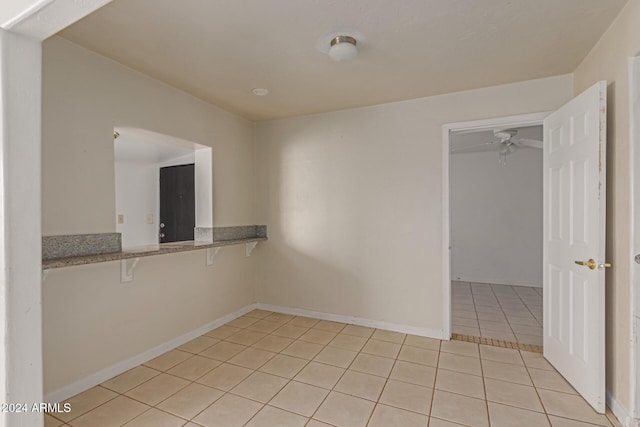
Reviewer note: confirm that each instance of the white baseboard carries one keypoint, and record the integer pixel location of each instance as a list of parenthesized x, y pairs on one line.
[(621, 413), (120, 367), (413, 330), (498, 282)]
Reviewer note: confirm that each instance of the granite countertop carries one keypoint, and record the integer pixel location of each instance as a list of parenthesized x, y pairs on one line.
[(143, 251)]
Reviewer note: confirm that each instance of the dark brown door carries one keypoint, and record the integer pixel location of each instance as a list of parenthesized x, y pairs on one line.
[(177, 203)]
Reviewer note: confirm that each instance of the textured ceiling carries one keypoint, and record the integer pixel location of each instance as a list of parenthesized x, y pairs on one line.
[(219, 50)]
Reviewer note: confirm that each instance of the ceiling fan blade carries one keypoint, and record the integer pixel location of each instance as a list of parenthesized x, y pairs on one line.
[(484, 129), (508, 147), (531, 143), (472, 130), (480, 148)]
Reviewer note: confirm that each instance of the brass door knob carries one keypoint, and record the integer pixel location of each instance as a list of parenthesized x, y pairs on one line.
[(592, 264)]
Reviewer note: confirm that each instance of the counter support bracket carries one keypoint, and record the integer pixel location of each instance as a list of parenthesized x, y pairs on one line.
[(126, 269), (249, 247), (211, 254)]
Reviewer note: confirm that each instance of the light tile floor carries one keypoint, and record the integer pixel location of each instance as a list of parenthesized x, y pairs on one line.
[(509, 313), (269, 369)]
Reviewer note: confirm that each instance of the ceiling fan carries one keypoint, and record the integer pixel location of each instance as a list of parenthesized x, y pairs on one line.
[(504, 142)]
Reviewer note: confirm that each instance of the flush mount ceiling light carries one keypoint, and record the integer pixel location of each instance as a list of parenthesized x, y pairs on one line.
[(341, 44), (343, 48), (260, 91)]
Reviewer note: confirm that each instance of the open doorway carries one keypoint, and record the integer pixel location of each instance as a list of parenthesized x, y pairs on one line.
[(493, 229), (496, 233)]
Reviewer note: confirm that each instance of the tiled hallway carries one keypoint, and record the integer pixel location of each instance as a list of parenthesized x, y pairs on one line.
[(269, 369), (508, 313)]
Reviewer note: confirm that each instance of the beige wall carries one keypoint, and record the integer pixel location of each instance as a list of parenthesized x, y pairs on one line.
[(84, 94), (496, 216), (353, 202), (608, 60), (91, 320)]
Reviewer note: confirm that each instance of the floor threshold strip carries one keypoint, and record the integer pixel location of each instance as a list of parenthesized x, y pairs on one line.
[(497, 343)]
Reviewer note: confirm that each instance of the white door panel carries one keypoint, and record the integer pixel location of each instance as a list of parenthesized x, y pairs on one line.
[(634, 72), (574, 230)]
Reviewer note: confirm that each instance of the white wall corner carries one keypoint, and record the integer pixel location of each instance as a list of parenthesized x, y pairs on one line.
[(446, 236), (23, 25), (20, 226), (40, 19), (204, 187), (622, 414)]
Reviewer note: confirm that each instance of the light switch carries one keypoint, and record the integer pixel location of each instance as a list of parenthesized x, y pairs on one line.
[(149, 218), (120, 219)]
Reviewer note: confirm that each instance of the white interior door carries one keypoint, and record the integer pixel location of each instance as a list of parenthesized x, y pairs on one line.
[(574, 230), (634, 72)]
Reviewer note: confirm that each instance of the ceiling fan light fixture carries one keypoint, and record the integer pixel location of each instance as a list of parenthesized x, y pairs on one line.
[(343, 48), (260, 91), (505, 135)]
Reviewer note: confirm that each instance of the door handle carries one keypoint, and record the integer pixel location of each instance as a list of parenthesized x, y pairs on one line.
[(592, 264)]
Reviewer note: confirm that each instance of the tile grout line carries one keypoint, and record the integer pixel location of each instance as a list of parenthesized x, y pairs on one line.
[(526, 367), (289, 380), (386, 381), (332, 388), (529, 309), (511, 405), (92, 409), (225, 392), (484, 386), (335, 333), (503, 312), (470, 292), (192, 355), (254, 370), (476, 305), (506, 317), (435, 381), (388, 377), (338, 332), (190, 382)]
